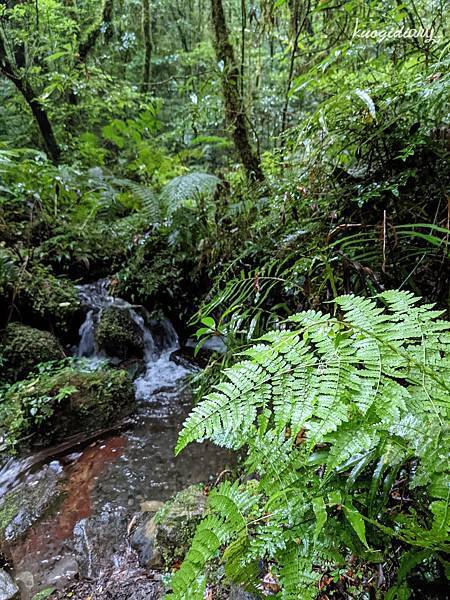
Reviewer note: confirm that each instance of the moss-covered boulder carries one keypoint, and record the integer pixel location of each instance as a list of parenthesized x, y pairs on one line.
[(118, 335), (62, 402), (165, 538), (23, 347), (50, 302)]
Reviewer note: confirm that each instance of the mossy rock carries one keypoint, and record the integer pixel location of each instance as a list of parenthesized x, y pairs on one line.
[(100, 399), (25, 347), (165, 538), (62, 402), (118, 335), (50, 302)]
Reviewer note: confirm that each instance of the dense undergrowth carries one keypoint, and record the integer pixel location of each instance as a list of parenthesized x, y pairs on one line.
[(343, 408)]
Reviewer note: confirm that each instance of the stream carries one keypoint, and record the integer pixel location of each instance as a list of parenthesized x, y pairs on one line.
[(109, 479)]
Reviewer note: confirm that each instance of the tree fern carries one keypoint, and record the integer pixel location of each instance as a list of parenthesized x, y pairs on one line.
[(328, 410)]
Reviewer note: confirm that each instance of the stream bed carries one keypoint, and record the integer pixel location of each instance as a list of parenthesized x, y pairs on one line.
[(107, 481)]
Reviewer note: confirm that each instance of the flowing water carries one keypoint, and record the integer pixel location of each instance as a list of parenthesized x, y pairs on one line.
[(106, 481)]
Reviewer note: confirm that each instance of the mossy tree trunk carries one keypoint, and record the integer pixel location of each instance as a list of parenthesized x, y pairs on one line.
[(148, 45), (231, 83), (103, 24)]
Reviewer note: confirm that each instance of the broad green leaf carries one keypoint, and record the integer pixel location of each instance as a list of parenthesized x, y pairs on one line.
[(356, 521), (320, 511)]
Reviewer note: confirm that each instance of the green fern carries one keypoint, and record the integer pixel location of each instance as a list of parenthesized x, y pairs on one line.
[(185, 187), (151, 204), (328, 410)]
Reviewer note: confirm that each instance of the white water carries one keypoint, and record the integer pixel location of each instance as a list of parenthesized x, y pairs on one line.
[(160, 371)]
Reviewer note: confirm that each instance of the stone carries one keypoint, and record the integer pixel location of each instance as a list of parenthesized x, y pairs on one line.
[(25, 347), (237, 593), (50, 301), (185, 357), (118, 335), (77, 402), (27, 504), (8, 589), (63, 572), (95, 533), (151, 506), (26, 581), (165, 538)]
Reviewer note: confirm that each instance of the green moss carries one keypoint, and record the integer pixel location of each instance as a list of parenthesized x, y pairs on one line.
[(182, 503), (118, 335), (50, 300), (24, 347), (63, 401), (8, 510), (43, 594), (176, 521)]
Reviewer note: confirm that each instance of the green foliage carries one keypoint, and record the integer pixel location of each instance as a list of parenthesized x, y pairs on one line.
[(186, 187), (335, 414)]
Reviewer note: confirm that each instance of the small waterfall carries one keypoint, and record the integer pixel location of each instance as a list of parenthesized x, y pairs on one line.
[(160, 371), (86, 346)]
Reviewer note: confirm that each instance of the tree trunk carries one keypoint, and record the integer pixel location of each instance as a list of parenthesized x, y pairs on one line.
[(231, 83), (42, 119), (88, 44), (30, 97), (148, 45), (295, 29)]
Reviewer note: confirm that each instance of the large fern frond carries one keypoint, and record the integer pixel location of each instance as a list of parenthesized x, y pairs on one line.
[(319, 406), (185, 187)]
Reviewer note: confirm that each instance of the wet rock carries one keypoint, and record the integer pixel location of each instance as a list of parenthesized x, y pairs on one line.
[(212, 344), (92, 535), (135, 367), (50, 302), (237, 593), (8, 589), (165, 538), (100, 399), (24, 347), (63, 572), (127, 583), (185, 357), (25, 579), (27, 504), (151, 506), (75, 401), (189, 359), (118, 335)]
